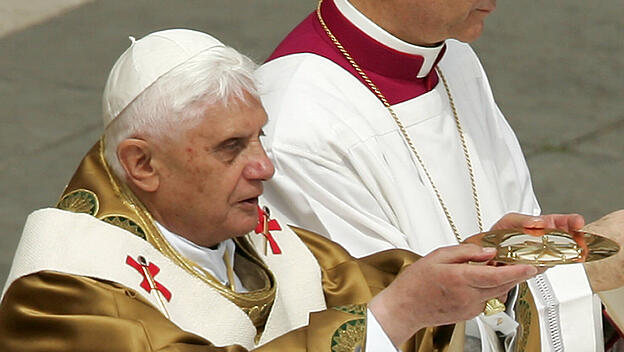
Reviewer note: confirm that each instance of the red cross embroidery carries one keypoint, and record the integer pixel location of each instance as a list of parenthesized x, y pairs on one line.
[(265, 224), (152, 270)]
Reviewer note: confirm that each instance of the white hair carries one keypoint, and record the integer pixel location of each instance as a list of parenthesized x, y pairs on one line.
[(177, 100)]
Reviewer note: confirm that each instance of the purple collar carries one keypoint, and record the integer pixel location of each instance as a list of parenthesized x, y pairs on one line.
[(393, 71)]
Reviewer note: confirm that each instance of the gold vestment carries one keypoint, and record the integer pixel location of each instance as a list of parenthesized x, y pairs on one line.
[(52, 311)]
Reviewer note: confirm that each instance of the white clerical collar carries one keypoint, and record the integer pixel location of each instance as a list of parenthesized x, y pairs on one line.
[(430, 54), (210, 260)]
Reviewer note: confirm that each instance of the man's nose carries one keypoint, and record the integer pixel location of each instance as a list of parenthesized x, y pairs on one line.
[(259, 166)]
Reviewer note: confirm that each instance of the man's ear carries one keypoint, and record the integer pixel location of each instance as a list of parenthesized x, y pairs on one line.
[(135, 156)]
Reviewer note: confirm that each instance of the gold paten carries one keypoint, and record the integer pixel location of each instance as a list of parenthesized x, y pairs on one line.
[(117, 205), (545, 247)]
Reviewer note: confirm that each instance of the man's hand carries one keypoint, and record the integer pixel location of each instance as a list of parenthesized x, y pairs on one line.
[(607, 274), (566, 222), (443, 288)]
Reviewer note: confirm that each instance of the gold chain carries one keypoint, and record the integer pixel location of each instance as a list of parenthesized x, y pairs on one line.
[(406, 136)]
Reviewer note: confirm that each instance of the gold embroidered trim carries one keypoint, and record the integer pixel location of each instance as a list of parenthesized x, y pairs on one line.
[(355, 309), (80, 201), (349, 337), (523, 316), (126, 224)]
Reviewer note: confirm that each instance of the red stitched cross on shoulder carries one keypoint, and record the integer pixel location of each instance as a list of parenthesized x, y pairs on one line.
[(153, 270), (265, 224)]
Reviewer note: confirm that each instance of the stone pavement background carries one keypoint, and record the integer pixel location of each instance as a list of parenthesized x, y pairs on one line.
[(555, 67), (16, 15)]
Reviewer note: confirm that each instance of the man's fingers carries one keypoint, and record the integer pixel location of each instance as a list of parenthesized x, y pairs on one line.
[(577, 222), (498, 292), (537, 222), (462, 253), (513, 220), (568, 222), (482, 276)]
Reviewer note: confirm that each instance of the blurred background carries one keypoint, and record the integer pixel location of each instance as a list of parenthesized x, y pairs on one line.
[(555, 68)]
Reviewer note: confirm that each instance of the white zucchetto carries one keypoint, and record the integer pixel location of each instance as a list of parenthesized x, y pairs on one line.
[(146, 60)]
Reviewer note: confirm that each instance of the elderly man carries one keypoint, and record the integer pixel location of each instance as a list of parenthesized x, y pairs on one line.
[(385, 134), (159, 243)]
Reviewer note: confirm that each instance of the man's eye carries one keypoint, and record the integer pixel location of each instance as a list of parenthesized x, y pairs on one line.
[(232, 145), (230, 149)]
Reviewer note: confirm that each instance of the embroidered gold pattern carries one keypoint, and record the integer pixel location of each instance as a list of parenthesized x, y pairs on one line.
[(523, 316), (355, 309), (126, 224), (349, 337), (80, 201)]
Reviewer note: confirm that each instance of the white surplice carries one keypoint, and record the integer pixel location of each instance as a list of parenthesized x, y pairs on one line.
[(344, 170)]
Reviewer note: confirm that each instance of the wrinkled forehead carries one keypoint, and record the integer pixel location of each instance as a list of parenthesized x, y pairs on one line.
[(246, 110), (234, 118)]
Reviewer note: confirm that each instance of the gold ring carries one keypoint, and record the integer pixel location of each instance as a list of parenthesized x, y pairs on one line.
[(493, 306)]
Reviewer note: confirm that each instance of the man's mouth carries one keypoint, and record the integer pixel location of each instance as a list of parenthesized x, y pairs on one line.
[(251, 201)]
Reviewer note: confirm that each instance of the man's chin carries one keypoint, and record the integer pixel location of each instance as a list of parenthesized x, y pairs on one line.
[(471, 34), (245, 224)]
